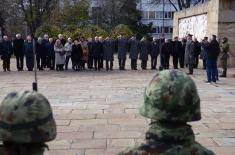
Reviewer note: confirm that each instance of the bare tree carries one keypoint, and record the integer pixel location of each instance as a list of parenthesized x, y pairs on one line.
[(35, 12), (182, 4)]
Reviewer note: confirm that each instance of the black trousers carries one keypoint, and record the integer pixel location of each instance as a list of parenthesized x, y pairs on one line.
[(181, 60), (109, 65), (51, 63), (190, 67), (175, 61), (30, 63), (90, 62), (6, 64), (153, 62), (204, 63), (67, 61), (166, 59), (144, 64), (41, 61), (196, 60), (20, 62), (101, 62), (97, 63), (122, 63), (134, 64)]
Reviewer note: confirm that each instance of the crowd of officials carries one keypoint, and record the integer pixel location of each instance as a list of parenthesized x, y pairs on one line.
[(93, 53)]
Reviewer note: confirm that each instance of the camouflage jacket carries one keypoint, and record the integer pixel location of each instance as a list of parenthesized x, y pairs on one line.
[(224, 51), (7, 151), (168, 140)]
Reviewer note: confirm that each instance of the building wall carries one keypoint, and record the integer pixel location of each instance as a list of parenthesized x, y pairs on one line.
[(220, 21), (153, 12)]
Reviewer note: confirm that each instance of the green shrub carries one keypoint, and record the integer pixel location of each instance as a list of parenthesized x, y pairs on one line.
[(51, 30), (86, 32), (121, 30)]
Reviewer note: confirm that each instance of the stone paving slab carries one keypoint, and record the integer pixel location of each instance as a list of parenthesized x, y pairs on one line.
[(97, 112)]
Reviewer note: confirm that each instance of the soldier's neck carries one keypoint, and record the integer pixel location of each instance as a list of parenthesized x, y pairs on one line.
[(172, 133)]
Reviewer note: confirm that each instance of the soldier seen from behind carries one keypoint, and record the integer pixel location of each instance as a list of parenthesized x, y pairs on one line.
[(26, 124), (170, 101)]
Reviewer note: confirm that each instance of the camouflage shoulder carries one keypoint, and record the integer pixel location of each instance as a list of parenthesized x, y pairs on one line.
[(134, 150), (201, 150)]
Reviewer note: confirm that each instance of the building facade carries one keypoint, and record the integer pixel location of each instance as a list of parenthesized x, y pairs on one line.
[(160, 14)]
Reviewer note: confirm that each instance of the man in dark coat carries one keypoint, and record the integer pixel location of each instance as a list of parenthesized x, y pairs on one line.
[(197, 51), (40, 53), (46, 45), (161, 43), (167, 49), (154, 53), (177, 49), (18, 46), (7, 51), (90, 54), (109, 49), (211, 61), (134, 52), (189, 54), (182, 52), (28, 52), (51, 54), (144, 53), (122, 45), (97, 53), (204, 50)]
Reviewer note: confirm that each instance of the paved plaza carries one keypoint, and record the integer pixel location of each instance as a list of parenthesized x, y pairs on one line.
[(97, 112)]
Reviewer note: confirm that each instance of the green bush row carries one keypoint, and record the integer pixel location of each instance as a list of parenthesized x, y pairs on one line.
[(89, 31)]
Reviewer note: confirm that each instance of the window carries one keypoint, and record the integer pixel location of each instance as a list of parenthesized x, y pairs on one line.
[(166, 29), (145, 14), (171, 29), (154, 30), (151, 14), (159, 15)]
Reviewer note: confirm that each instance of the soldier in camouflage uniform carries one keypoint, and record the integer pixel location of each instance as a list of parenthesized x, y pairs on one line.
[(224, 56), (26, 123), (170, 101)]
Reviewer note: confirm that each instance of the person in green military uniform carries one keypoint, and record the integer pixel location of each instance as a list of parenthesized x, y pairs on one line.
[(224, 56), (170, 101), (26, 123)]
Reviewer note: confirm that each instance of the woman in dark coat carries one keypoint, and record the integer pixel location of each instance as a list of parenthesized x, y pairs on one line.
[(77, 56), (134, 52), (143, 53), (29, 55), (109, 49)]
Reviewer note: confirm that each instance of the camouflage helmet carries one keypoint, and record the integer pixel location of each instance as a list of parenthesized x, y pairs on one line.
[(171, 96), (26, 117)]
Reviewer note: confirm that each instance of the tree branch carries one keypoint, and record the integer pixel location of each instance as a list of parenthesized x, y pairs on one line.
[(173, 5)]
